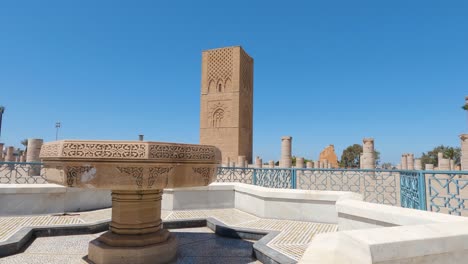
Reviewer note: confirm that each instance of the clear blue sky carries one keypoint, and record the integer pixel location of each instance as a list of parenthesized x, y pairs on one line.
[(326, 72)]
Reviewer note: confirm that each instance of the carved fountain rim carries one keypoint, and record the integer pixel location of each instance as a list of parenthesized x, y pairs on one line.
[(130, 151)]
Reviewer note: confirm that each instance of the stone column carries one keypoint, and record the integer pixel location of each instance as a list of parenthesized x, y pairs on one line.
[(241, 161), (258, 162), (32, 155), (317, 164), (324, 164), (23, 158), (444, 165), (464, 150), (368, 156), (1, 151), (404, 163), (429, 167), (300, 163), (452, 164), (136, 222), (228, 162), (410, 161), (271, 163), (398, 166), (34, 148), (309, 165), (440, 156), (417, 164), (329, 166), (9, 155), (286, 143)]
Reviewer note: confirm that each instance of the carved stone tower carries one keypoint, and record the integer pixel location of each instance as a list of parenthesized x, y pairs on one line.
[(226, 109)]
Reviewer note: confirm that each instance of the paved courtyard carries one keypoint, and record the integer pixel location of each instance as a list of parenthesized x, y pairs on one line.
[(195, 243)]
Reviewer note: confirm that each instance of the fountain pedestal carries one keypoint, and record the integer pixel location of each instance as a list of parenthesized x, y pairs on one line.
[(136, 172)]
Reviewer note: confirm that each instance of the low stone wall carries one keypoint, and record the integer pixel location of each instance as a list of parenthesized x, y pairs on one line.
[(301, 205), (209, 197), (29, 199), (375, 233), (354, 214)]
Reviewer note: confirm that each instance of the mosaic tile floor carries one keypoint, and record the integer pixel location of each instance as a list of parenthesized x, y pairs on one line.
[(292, 241), (195, 245)]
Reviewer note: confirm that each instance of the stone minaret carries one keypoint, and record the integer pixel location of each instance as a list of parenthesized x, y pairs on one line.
[(226, 108)]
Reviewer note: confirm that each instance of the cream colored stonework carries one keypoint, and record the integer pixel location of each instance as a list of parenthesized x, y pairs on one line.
[(136, 172), (226, 108)]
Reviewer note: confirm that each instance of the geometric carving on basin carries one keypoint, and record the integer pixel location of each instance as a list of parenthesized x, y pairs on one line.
[(136, 172)]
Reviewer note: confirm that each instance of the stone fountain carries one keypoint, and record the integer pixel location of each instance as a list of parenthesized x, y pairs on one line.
[(136, 172)]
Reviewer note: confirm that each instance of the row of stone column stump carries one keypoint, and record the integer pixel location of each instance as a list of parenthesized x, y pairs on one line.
[(367, 159)]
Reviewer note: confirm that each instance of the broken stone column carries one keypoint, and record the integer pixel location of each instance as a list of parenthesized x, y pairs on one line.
[(258, 162), (444, 164), (1, 151), (34, 148), (417, 164), (300, 163), (464, 152), (429, 166), (368, 156), (324, 164), (309, 165), (317, 164), (410, 161), (404, 163), (398, 166), (228, 162), (23, 158), (452, 164), (329, 166), (32, 155), (241, 161), (286, 150), (440, 156), (10, 154), (271, 163)]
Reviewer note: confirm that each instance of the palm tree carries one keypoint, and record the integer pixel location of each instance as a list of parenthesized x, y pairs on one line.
[(24, 142), (2, 110)]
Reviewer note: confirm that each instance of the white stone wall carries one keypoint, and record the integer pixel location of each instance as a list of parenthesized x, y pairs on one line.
[(27, 199)]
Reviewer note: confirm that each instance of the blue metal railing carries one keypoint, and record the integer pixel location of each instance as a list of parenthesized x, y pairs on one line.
[(447, 191), (437, 191)]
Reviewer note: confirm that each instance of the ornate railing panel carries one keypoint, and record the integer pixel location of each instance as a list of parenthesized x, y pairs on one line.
[(274, 178), (21, 173), (232, 174), (448, 192), (412, 190), (377, 186)]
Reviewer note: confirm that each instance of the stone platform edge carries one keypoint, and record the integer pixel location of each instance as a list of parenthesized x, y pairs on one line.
[(15, 243)]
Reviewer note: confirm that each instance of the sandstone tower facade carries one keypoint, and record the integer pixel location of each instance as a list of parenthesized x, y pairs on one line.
[(226, 108)]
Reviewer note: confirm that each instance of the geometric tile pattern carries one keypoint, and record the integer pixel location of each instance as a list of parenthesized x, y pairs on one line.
[(292, 241), (9, 225)]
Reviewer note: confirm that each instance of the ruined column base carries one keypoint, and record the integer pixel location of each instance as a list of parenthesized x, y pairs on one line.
[(164, 252)]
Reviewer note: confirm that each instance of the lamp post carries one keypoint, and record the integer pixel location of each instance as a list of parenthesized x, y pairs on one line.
[(57, 126), (2, 110)]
